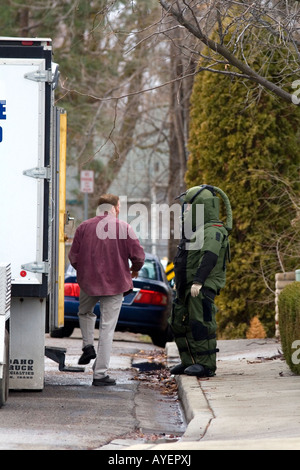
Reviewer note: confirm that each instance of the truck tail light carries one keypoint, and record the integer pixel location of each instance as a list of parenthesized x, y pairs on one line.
[(72, 290), (150, 297)]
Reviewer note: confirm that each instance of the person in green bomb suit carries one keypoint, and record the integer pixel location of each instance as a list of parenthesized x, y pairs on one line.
[(200, 274)]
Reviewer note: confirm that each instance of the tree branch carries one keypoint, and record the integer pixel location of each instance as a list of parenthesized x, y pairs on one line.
[(224, 52)]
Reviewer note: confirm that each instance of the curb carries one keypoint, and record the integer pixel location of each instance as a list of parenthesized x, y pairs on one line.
[(197, 412), (195, 406)]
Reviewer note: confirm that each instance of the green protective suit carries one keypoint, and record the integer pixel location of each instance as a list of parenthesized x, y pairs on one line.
[(200, 259)]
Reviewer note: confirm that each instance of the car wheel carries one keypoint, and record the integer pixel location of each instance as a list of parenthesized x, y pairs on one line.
[(63, 332), (160, 338)]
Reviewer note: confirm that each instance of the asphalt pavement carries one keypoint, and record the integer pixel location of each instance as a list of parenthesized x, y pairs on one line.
[(253, 402)]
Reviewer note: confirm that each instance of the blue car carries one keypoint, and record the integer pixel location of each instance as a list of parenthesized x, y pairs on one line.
[(145, 310)]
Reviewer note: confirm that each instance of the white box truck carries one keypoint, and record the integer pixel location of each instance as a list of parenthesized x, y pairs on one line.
[(32, 204)]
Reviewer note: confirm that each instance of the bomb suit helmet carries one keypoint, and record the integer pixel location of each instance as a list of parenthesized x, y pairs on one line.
[(207, 195)]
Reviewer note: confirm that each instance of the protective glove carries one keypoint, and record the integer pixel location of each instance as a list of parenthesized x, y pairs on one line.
[(195, 289)]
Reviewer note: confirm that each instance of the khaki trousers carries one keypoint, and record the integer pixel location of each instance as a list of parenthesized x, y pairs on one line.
[(110, 306)]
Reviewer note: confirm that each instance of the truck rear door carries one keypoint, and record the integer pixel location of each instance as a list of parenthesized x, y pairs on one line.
[(25, 123)]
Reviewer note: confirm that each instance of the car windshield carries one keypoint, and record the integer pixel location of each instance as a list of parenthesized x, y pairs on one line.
[(148, 271)]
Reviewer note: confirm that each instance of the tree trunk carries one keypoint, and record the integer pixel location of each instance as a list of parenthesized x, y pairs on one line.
[(180, 92)]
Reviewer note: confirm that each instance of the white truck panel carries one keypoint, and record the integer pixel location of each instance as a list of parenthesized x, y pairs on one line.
[(21, 230)]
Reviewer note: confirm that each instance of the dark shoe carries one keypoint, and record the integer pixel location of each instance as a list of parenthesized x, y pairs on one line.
[(209, 373), (198, 371), (105, 381), (88, 354), (195, 369), (178, 370)]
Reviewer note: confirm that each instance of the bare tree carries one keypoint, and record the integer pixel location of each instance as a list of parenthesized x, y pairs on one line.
[(180, 90), (279, 21), (281, 248)]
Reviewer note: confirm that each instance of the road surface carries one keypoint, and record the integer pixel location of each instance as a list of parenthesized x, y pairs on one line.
[(71, 414)]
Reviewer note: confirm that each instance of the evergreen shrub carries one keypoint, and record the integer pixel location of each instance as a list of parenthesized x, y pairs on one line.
[(239, 139), (289, 325)]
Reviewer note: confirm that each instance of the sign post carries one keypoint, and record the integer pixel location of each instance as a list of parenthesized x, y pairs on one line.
[(86, 187)]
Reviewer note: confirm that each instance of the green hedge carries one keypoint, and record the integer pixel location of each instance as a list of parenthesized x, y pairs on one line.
[(289, 325)]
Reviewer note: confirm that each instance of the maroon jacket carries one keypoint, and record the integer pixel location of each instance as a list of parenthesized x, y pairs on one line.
[(100, 253)]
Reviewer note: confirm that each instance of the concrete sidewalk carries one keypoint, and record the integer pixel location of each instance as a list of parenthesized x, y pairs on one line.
[(252, 403)]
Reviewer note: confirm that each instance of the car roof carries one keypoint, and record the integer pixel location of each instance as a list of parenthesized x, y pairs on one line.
[(151, 256)]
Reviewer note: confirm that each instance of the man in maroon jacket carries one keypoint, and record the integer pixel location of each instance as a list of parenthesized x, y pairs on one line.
[(100, 253)]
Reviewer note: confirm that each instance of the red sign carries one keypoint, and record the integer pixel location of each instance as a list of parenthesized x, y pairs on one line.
[(87, 181)]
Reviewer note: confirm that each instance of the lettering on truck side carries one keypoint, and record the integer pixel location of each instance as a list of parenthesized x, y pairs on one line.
[(21, 368), (2, 116)]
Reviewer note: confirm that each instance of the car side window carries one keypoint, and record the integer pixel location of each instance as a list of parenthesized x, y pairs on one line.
[(148, 271)]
